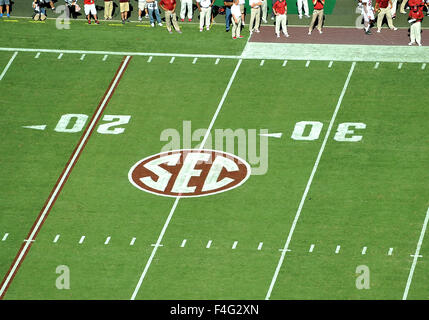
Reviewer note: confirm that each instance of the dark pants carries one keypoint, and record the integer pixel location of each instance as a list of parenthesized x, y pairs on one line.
[(227, 17)]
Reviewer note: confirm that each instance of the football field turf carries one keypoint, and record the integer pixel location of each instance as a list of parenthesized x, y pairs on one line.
[(329, 201)]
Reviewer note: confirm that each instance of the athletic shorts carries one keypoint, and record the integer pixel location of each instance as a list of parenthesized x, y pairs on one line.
[(90, 8), (124, 6), (4, 2), (142, 4)]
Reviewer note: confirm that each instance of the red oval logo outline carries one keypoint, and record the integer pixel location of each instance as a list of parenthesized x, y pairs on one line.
[(189, 173)]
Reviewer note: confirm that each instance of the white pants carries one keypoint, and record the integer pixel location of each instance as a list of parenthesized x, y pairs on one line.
[(90, 8), (415, 32), (299, 4), (394, 6), (281, 21), (205, 16), (264, 10), (368, 16), (186, 4)]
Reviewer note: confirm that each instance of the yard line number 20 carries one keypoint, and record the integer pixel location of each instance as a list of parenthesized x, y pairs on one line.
[(72, 123)]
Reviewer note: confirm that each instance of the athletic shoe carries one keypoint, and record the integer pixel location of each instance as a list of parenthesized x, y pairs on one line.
[(170, 32), (278, 36), (411, 43), (242, 23), (286, 35), (179, 31), (189, 20), (128, 20), (368, 32), (123, 21), (146, 16), (250, 32), (394, 16), (233, 38), (307, 16), (8, 15), (1, 15), (320, 31), (227, 30), (378, 30), (272, 18), (240, 36), (403, 12), (89, 21), (152, 25), (96, 22), (160, 24), (309, 33), (36, 16), (264, 21), (419, 44), (207, 28), (183, 20), (140, 19), (257, 31), (300, 17), (201, 29), (394, 29), (53, 9)]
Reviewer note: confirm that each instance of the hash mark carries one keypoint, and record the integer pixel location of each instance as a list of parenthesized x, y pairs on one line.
[(390, 251), (338, 249), (376, 65), (82, 56), (172, 59), (56, 238), (400, 65), (81, 239), (363, 250), (105, 57), (307, 64), (5, 237), (194, 61), (330, 64), (260, 245), (37, 55), (262, 63), (284, 63), (217, 61), (107, 240), (60, 56), (209, 244), (423, 66), (132, 241), (183, 243), (234, 245), (311, 248), (150, 59)]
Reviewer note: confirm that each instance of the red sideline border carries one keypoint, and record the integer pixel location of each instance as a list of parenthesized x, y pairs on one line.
[(61, 176)]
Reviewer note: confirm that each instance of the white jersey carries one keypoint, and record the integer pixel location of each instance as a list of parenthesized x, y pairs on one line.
[(369, 15)]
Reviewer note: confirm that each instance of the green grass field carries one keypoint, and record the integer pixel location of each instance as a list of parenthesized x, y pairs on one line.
[(337, 204)]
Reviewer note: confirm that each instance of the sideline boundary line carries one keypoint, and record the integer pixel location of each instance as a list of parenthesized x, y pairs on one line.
[(416, 256), (310, 180), (170, 215), (25, 247)]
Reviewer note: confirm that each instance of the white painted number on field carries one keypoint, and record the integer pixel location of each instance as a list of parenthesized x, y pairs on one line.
[(72, 123), (344, 129), (105, 128), (300, 128)]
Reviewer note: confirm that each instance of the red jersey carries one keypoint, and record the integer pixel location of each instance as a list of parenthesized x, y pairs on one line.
[(280, 7), (319, 5), (416, 9), (168, 4), (383, 3), (88, 1)]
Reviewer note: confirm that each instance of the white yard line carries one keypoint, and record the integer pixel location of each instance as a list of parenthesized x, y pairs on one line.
[(176, 201), (8, 65), (66, 172), (416, 256), (310, 180)]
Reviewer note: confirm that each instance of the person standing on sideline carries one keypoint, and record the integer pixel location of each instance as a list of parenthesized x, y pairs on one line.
[(205, 9), (264, 10), (368, 15), (236, 20), (227, 4), (394, 8), (383, 7), (415, 19), (317, 14), (300, 4), (280, 11), (89, 8), (169, 7), (124, 7), (108, 8), (186, 4), (152, 7), (241, 4), (7, 4), (255, 15), (402, 8), (142, 8)]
